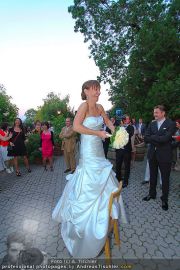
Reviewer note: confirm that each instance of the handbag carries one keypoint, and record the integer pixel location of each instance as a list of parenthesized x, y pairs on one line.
[(138, 140), (10, 148)]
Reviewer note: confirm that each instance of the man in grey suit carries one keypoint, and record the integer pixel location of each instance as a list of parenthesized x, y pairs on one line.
[(159, 135), (141, 127)]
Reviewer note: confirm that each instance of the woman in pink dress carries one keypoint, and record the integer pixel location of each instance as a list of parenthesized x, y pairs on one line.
[(47, 145)]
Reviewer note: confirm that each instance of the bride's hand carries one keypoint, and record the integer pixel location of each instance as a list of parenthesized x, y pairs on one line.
[(102, 134)]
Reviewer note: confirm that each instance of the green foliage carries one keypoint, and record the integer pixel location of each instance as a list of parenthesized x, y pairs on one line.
[(32, 145), (52, 107), (30, 117), (8, 110), (112, 138), (135, 44), (58, 123), (55, 110)]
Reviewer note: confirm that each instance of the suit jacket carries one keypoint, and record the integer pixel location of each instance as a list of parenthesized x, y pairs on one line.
[(107, 140), (68, 139), (130, 131), (160, 140), (143, 126)]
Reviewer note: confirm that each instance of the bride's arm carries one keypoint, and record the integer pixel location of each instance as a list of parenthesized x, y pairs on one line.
[(107, 121), (78, 126)]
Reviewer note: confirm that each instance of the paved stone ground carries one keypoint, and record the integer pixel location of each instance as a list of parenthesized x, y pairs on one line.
[(26, 204)]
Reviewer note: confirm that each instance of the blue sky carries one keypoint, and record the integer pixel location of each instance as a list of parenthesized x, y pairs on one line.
[(40, 52)]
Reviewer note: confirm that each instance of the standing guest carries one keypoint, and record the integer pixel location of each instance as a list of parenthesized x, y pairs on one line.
[(147, 175), (176, 137), (141, 128), (114, 121), (121, 123), (18, 145), (37, 129), (124, 154), (106, 141), (133, 152), (51, 128), (3, 147), (2, 165), (134, 124), (47, 145), (68, 137), (159, 136)]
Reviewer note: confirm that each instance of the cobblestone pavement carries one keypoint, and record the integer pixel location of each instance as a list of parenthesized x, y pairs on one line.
[(26, 204)]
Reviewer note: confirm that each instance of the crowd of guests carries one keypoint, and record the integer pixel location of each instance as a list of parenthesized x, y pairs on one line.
[(126, 155), (162, 137), (12, 146)]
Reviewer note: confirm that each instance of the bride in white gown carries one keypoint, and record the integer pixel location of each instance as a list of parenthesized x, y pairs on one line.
[(83, 206)]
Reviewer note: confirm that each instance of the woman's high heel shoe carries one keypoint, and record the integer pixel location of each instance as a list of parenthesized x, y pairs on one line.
[(18, 173)]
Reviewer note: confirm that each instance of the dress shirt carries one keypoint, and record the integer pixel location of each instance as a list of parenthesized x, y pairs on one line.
[(159, 123)]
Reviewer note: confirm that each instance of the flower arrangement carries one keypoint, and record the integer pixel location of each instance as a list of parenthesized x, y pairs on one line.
[(119, 138)]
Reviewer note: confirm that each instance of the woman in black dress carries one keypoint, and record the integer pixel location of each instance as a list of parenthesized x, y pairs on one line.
[(19, 148)]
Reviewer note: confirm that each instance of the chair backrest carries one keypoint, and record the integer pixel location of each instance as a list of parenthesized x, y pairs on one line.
[(114, 195)]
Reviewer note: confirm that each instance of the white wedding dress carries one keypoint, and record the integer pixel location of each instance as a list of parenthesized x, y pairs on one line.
[(83, 206)]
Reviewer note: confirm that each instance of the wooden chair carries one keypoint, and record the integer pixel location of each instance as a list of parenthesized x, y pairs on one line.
[(113, 223)]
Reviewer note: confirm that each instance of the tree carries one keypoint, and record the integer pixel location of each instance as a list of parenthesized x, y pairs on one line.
[(8, 110), (55, 110), (52, 107), (30, 116), (135, 44)]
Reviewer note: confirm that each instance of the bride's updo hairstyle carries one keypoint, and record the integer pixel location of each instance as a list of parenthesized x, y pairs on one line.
[(87, 85)]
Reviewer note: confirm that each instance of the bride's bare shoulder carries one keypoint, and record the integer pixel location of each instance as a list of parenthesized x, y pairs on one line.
[(82, 110), (83, 107), (100, 107)]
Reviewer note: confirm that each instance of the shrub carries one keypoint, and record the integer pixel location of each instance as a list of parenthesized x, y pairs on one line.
[(32, 145)]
